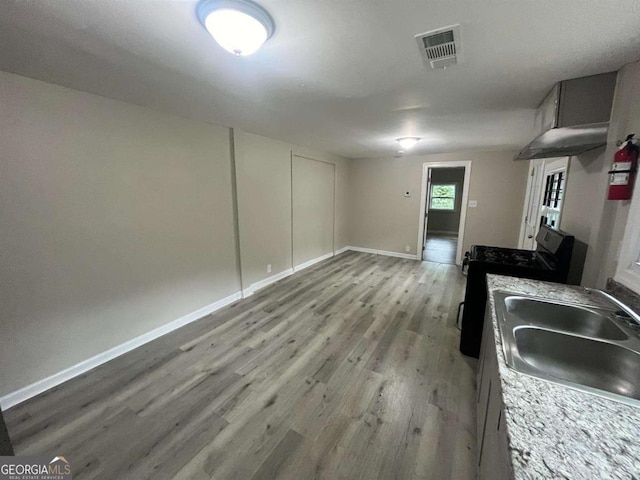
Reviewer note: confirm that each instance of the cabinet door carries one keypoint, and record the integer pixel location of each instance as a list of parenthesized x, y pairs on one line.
[(504, 469), (494, 461), (6, 450), (483, 380), (493, 453), (490, 455), (547, 113)]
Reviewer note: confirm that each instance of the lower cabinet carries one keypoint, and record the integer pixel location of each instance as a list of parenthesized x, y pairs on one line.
[(493, 452), (6, 450)]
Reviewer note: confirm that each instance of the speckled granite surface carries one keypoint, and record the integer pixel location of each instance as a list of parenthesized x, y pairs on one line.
[(625, 295), (555, 431)]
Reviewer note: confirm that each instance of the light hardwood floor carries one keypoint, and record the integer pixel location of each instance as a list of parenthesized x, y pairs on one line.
[(347, 370), (440, 248)]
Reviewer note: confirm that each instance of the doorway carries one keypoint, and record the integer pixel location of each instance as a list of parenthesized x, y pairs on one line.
[(443, 211), (544, 198)]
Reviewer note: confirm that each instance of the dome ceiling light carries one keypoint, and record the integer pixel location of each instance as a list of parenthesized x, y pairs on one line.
[(239, 26), (408, 142)]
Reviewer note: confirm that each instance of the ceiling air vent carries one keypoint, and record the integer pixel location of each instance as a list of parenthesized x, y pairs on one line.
[(440, 48)]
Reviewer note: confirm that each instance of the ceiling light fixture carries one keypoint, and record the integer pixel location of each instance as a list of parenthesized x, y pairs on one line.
[(239, 26), (408, 142)]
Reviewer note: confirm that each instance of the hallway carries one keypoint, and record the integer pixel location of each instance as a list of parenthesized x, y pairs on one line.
[(440, 248)]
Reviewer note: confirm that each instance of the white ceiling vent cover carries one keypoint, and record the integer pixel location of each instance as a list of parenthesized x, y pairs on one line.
[(440, 48)]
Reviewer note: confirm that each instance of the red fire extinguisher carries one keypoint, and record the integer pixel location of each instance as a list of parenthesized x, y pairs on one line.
[(623, 170)]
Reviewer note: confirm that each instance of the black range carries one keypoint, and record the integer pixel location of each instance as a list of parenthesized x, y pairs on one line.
[(550, 261)]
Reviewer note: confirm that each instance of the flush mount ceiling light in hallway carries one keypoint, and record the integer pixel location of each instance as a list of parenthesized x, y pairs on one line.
[(239, 26), (408, 142)]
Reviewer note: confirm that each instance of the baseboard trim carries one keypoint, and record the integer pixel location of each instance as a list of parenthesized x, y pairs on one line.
[(36, 388), (442, 232), (25, 393), (254, 287), (309, 263), (384, 252)]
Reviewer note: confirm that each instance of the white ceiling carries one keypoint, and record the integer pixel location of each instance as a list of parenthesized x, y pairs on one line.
[(344, 76)]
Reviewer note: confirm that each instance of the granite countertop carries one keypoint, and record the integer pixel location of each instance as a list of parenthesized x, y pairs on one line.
[(555, 431)]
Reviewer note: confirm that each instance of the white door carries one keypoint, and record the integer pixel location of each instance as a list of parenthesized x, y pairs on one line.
[(531, 219), (543, 202)]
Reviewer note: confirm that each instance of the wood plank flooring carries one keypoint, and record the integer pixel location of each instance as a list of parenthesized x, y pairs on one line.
[(347, 370), (440, 248)]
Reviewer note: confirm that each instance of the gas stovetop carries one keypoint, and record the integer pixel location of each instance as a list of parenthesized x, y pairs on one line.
[(507, 256)]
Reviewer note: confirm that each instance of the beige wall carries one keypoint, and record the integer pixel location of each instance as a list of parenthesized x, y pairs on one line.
[(383, 219), (263, 170), (594, 220), (313, 208), (115, 220)]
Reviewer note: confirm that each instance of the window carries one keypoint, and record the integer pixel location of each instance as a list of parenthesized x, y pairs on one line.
[(443, 196), (552, 198)]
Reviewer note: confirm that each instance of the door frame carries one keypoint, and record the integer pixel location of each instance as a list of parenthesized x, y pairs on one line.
[(463, 208)]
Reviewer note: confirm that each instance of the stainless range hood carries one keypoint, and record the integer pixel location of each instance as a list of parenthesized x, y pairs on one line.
[(573, 118)]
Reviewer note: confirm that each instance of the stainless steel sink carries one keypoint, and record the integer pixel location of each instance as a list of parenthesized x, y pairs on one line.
[(587, 348), (571, 318), (580, 360)]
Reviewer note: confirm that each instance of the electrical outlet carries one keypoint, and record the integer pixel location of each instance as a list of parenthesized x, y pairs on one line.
[(473, 203), (407, 248), (269, 268)]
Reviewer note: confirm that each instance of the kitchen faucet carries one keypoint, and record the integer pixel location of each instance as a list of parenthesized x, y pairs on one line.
[(627, 310)]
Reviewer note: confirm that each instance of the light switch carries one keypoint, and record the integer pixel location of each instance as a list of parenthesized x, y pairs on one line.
[(473, 203)]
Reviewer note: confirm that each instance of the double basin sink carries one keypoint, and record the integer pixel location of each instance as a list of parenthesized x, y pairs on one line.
[(592, 349)]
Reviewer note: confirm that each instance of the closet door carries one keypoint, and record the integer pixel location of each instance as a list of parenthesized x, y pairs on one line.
[(313, 193)]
